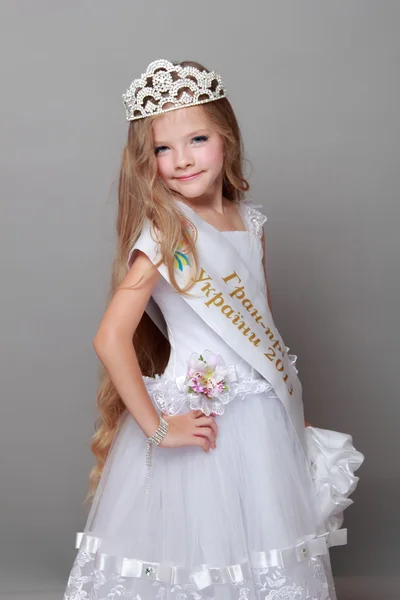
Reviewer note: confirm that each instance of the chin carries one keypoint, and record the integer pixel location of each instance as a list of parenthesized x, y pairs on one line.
[(193, 193)]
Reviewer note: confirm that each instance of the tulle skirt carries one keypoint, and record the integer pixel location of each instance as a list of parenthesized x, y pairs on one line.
[(244, 521)]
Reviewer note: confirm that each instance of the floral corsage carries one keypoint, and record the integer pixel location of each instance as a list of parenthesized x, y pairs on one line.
[(207, 382)]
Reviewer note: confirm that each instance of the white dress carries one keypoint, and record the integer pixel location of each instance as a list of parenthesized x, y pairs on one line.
[(251, 519)]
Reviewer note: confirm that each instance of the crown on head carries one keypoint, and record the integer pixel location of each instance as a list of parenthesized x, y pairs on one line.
[(167, 85)]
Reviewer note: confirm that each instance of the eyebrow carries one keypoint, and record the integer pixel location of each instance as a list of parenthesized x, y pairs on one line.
[(189, 135)]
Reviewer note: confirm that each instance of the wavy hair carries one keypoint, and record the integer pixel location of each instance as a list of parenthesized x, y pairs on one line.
[(141, 195)]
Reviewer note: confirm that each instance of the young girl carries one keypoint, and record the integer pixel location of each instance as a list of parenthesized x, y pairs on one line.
[(207, 483)]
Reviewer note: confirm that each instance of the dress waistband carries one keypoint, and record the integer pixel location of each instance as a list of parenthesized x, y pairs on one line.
[(209, 385), (173, 395)]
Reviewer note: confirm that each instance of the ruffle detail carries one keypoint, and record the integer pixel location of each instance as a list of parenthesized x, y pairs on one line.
[(255, 219), (292, 359), (170, 400), (334, 460)]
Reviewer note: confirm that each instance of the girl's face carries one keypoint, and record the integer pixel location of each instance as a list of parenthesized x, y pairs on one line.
[(189, 152)]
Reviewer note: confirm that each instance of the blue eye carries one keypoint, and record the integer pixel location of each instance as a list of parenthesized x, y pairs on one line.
[(200, 138), (160, 149)]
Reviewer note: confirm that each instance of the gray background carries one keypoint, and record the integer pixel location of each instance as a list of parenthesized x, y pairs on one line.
[(316, 90)]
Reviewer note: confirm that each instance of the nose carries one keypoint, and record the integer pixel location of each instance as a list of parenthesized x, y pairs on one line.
[(183, 158)]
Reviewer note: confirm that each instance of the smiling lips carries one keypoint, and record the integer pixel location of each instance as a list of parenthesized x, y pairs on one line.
[(188, 177)]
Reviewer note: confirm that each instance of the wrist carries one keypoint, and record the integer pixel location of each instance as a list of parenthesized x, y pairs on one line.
[(154, 440), (159, 434), (151, 427)]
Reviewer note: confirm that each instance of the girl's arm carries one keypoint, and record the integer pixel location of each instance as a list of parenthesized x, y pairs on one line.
[(113, 341), (113, 345)]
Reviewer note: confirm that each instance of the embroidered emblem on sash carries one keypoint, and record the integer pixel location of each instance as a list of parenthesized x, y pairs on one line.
[(181, 254)]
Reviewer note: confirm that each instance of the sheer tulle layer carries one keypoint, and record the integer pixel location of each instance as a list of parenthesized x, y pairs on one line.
[(208, 512)]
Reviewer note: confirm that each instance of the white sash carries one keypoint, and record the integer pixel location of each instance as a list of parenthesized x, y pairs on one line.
[(231, 301)]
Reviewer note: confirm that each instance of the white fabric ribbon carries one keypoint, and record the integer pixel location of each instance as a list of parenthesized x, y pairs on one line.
[(87, 543), (234, 574), (310, 548), (205, 575)]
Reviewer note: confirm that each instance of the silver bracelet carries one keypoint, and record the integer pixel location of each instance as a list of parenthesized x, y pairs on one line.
[(154, 440)]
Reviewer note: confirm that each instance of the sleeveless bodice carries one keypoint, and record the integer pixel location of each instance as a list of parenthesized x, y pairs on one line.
[(187, 332)]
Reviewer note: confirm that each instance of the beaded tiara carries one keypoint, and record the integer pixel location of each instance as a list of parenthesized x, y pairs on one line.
[(165, 84)]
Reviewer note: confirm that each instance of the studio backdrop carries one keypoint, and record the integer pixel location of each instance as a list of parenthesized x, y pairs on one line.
[(316, 90)]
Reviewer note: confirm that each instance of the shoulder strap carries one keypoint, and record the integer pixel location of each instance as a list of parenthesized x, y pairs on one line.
[(254, 218)]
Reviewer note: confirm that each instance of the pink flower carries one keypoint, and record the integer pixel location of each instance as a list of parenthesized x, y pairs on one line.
[(207, 375)]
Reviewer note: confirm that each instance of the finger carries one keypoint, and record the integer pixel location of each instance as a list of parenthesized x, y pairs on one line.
[(208, 422), (201, 421), (202, 442), (206, 432), (214, 427)]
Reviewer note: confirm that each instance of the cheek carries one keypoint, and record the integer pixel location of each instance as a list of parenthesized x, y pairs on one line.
[(214, 154), (164, 168)]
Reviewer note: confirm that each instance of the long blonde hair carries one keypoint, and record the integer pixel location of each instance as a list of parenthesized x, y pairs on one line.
[(141, 195)]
